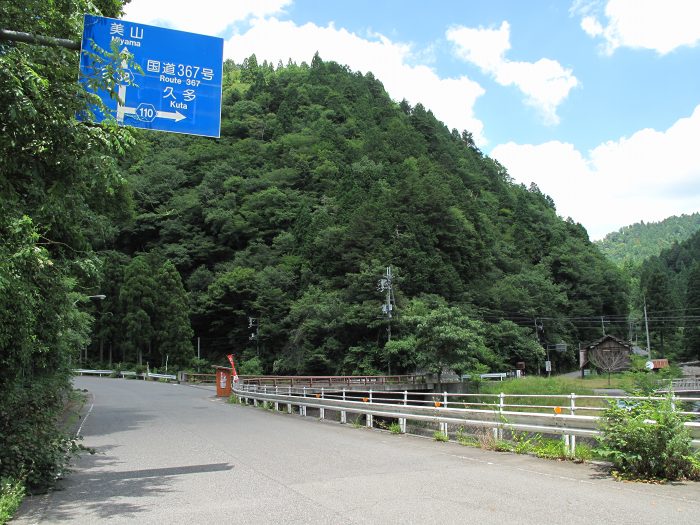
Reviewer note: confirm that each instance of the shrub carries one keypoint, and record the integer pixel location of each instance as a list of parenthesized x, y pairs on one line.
[(648, 441), (395, 428), (32, 444)]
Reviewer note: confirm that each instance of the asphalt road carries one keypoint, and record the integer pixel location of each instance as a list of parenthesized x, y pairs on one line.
[(176, 454)]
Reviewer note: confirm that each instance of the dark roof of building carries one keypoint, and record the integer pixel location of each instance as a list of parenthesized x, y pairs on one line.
[(619, 341)]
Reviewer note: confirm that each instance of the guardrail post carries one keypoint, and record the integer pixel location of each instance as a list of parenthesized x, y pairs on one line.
[(402, 421), (322, 411), (370, 421), (277, 403), (572, 438), (501, 403), (303, 407), (343, 413), (443, 426)]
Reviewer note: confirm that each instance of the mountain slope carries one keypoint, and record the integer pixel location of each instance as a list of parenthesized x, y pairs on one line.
[(318, 183), (632, 244)]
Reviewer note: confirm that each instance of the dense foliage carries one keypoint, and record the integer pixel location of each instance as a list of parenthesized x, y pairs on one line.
[(318, 183), (648, 440), (60, 195), (670, 284), (633, 244)]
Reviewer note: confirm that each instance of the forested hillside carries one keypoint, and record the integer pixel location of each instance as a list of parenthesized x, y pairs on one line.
[(318, 183), (670, 283), (633, 244)]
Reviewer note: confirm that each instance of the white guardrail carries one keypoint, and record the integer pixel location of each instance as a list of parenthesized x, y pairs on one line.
[(122, 373), (455, 410)]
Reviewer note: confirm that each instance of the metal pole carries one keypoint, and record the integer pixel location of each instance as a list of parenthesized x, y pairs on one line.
[(646, 324)]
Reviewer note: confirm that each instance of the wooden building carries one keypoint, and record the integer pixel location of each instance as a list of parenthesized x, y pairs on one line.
[(608, 354)]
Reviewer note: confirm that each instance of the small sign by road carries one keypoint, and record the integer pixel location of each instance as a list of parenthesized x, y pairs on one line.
[(179, 87)]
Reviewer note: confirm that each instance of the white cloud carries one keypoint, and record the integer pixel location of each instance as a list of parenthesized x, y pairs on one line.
[(644, 24), (648, 176), (545, 83), (450, 99), (208, 17)]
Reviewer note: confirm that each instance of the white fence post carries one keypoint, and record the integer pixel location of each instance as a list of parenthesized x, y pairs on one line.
[(303, 407), (370, 419), (322, 411), (443, 426), (343, 413), (572, 439), (402, 421), (501, 402)]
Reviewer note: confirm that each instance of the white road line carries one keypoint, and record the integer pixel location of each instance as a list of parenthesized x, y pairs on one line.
[(80, 428)]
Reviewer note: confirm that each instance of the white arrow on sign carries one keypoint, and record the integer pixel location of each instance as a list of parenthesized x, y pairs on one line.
[(176, 116)]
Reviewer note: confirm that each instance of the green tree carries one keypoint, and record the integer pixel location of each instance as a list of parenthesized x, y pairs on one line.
[(173, 332), (447, 338), (139, 298), (60, 190), (692, 310)]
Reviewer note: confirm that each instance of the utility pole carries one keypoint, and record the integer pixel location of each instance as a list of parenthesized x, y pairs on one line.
[(646, 325), (199, 355), (254, 325), (385, 284), (539, 327)]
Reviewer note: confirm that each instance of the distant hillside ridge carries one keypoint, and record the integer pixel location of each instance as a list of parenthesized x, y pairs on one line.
[(635, 243)]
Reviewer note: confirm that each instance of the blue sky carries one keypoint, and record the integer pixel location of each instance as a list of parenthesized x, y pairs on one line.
[(597, 102)]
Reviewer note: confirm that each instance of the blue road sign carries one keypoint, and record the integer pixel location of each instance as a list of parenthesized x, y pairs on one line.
[(179, 88)]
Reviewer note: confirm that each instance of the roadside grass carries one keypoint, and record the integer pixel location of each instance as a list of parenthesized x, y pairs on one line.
[(554, 386), (526, 443), (440, 436), (11, 496)]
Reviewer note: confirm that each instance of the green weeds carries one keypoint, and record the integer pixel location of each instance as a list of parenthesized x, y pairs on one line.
[(11, 495), (440, 436)]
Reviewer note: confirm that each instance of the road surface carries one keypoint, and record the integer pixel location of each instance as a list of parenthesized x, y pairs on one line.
[(170, 454)]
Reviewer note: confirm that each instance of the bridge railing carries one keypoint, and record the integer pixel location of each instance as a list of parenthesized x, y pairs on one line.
[(475, 410), (683, 383), (338, 381), (122, 373)]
